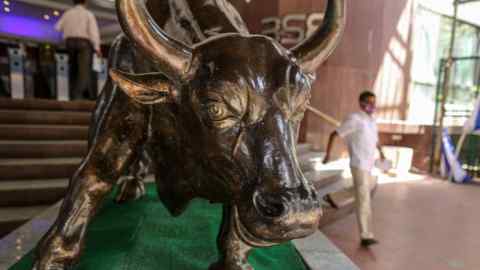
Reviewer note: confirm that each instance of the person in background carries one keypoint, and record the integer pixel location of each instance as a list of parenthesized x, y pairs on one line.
[(359, 130), (81, 34)]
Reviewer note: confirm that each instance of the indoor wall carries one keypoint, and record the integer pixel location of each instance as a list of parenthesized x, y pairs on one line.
[(375, 53)]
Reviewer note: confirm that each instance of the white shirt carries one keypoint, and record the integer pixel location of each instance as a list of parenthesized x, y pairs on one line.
[(361, 134), (78, 22)]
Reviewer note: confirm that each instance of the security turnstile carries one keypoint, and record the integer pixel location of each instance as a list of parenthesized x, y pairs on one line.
[(17, 77), (63, 84)]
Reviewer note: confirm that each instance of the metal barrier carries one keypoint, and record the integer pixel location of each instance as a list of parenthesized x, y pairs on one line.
[(332, 121)]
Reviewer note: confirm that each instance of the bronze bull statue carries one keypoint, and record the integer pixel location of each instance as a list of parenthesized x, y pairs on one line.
[(218, 115)]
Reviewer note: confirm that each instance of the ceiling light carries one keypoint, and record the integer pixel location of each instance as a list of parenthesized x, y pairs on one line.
[(56, 13), (6, 2), (6, 9), (46, 17)]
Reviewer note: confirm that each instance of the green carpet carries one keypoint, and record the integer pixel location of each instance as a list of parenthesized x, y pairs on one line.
[(142, 236)]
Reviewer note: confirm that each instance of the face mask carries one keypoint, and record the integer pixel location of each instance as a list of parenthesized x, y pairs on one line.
[(370, 109)]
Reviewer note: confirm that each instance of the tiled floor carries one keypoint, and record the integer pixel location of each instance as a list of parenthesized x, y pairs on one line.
[(421, 225)]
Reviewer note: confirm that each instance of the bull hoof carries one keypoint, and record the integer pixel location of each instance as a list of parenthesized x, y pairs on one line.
[(222, 265), (53, 254), (131, 189), (49, 267)]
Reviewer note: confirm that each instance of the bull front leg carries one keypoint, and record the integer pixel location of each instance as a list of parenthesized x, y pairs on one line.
[(114, 150), (132, 187), (61, 246), (233, 250)]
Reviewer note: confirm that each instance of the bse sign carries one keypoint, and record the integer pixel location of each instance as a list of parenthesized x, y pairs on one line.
[(291, 29)]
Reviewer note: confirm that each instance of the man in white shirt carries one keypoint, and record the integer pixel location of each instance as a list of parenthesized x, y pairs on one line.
[(360, 132), (81, 34)]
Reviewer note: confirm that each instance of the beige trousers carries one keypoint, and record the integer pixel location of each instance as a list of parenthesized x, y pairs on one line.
[(362, 181)]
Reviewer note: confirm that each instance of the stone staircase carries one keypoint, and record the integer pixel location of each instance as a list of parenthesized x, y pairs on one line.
[(310, 162), (42, 143), (329, 179)]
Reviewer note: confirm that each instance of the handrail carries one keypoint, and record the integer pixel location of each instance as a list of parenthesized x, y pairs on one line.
[(332, 121)]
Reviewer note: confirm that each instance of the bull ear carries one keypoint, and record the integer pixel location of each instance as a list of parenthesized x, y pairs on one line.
[(148, 88)]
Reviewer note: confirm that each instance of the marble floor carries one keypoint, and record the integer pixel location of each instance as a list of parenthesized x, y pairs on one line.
[(425, 224)]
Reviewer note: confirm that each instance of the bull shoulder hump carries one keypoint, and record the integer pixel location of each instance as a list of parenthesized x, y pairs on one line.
[(195, 18)]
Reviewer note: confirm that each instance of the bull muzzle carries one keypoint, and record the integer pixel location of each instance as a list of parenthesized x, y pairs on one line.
[(287, 214), (295, 213)]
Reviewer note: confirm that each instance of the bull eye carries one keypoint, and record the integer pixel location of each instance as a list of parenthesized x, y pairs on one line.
[(219, 115), (216, 112)]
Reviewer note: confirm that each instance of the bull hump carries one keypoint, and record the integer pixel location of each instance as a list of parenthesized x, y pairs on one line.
[(191, 20)]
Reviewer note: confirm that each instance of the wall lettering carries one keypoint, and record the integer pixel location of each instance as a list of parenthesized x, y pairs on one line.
[(291, 29)]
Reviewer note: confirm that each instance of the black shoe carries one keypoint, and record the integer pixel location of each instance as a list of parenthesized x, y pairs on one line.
[(368, 242), (329, 200)]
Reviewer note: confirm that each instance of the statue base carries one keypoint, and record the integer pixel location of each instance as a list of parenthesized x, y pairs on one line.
[(142, 235)]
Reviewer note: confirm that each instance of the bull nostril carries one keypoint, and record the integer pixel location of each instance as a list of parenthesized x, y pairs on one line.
[(269, 206)]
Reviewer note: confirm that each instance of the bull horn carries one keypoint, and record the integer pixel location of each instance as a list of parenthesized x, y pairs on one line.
[(173, 57), (317, 48)]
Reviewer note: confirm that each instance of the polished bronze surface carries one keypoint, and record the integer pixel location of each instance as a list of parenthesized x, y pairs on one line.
[(317, 48), (218, 116)]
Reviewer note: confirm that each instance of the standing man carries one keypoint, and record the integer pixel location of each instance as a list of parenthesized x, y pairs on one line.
[(360, 132), (81, 34)]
